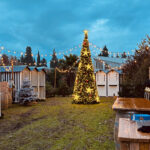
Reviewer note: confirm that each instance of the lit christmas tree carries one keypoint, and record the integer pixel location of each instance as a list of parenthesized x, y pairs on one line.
[(85, 90)]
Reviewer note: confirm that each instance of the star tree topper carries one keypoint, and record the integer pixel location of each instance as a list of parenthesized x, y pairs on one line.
[(85, 32)]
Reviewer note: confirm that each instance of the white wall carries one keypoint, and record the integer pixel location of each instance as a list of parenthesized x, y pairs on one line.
[(101, 83), (107, 83), (113, 83)]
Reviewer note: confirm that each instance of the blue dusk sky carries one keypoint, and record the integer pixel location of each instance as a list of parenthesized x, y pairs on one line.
[(48, 24)]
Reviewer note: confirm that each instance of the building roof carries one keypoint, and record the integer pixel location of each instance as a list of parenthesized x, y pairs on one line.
[(15, 68), (41, 68), (20, 68), (32, 68), (113, 60), (107, 71)]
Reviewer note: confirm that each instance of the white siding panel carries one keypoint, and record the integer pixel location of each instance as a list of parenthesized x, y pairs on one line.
[(101, 90), (101, 83), (101, 78), (113, 83)]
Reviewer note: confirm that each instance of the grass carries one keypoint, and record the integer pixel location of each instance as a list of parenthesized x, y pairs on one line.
[(58, 125)]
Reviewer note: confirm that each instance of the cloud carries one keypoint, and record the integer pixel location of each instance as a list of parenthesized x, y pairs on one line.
[(59, 24), (99, 25)]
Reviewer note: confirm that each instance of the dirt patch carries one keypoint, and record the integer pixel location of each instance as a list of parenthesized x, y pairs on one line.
[(21, 120), (54, 102), (28, 113), (22, 124), (64, 125)]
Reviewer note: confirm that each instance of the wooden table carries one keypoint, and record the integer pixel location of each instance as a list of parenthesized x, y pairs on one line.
[(124, 108), (134, 104), (130, 138)]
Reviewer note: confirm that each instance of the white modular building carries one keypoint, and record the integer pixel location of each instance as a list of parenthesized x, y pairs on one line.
[(108, 82), (36, 75)]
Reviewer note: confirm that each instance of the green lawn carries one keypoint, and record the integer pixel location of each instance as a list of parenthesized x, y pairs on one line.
[(56, 124)]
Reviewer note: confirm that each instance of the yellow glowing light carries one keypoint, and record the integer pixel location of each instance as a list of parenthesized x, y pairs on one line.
[(93, 76), (85, 31), (88, 66), (85, 53), (89, 90), (76, 97), (80, 65), (147, 47), (97, 99)]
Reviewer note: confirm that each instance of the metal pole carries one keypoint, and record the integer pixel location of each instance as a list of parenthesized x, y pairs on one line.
[(12, 78), (12, 69), (55, 79), (0, 106)]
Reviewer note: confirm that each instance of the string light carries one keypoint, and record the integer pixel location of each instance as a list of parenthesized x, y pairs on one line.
[(7, 68), (69, 70), (95, 51)]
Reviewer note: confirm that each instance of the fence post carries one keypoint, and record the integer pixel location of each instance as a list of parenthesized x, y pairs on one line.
[(0, 106)]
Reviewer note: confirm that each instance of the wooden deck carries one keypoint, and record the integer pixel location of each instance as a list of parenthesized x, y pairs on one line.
[(134, 104)]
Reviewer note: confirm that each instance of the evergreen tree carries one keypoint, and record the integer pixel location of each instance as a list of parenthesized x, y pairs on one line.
[(117, 55), (69, 63), (22, 60), (26, 93), (15, 61), (85, 90), (44, 62), (105, 52), (38, 60), (136, 71), (5, 60), (28, 56), (54, 60), (124, 55), (34, 63)]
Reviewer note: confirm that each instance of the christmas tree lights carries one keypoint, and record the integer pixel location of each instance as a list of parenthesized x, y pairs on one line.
[(85, 90)]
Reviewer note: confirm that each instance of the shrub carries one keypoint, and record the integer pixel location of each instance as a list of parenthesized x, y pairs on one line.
[(50, 91), (63, 89)]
